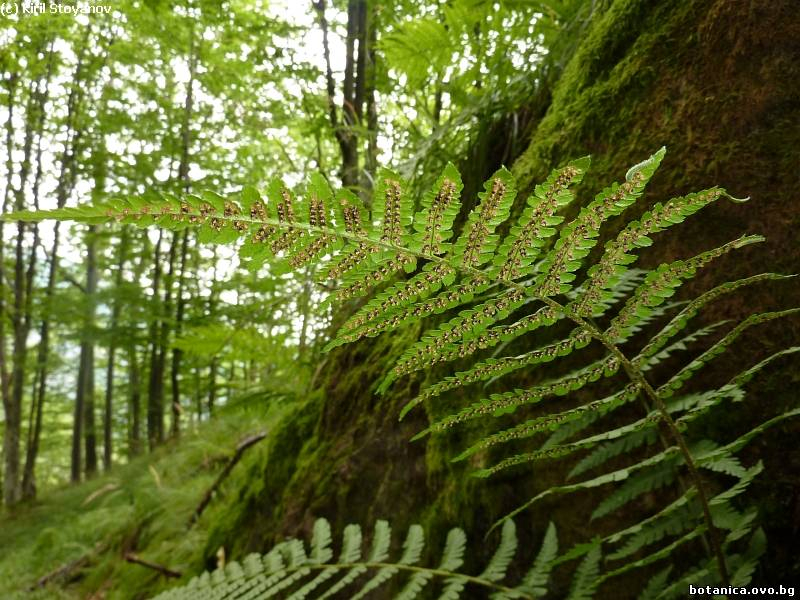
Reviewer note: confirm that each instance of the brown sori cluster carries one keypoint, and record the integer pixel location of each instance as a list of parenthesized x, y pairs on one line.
[(392, 227), (350, 261), (374, 277), (431, 352), (418, 310), (258, 212), (352, 218), (499, 366), (518, 398), (231, 210), (587, 224), (433, 223), (412, 289), (538, 221), (286, 215), (480, 230), (527, 429), (316, 218)]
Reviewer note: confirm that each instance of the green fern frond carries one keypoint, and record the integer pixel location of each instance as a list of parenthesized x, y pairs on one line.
[(288, 571), (535, 276)]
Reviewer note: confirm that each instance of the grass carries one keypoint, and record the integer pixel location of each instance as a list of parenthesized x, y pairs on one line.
[(142, 507)]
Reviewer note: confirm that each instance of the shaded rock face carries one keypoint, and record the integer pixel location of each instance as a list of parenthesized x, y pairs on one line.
[(718, 83)]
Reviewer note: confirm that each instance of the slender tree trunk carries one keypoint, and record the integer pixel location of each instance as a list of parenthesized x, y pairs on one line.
[(84, 424), (135, 410), (10, 435), (177, 353), (353, 86), (77, 421), (155, 388), (108, 412), (183, 176)]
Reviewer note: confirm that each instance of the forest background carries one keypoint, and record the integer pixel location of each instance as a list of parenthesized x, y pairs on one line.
[(121, 346)]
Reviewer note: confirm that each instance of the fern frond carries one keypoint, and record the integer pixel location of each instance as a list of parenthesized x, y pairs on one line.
[(289, 571), (505, 287), (670, 454), (585, 581), (536, 580), (602, 454), (681, 344), (498, 565), (656, 584), (656, 556), (645, 481)]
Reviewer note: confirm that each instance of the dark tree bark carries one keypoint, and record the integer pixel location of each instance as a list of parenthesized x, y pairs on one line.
[(87, 352), (357, 85), (135, 404)]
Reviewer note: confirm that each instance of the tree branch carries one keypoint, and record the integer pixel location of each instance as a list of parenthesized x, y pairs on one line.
[(165, 571), (237, 456)]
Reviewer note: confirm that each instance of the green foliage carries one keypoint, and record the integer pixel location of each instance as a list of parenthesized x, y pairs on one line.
[(289, 571), (544, 271)]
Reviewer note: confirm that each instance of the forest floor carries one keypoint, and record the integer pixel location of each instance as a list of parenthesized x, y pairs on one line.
[(143, 508)]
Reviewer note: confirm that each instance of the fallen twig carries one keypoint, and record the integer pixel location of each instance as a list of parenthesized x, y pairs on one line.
[(237, 455), (66, 570), (165, 571)]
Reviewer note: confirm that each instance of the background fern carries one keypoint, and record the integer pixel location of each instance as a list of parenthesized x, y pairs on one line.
[(644, 435), (290, 571)]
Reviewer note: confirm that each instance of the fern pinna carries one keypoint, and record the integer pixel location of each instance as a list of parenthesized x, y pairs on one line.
[(407, 255)]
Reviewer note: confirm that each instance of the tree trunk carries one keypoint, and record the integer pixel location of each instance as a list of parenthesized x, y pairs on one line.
[(135, 408), (108, 412), (11, 430), (183, 177), (155, 388)]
